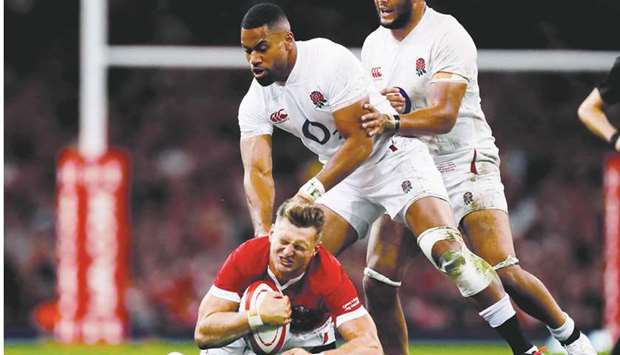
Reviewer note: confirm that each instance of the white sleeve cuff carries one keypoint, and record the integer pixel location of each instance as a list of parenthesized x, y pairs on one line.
[(256, 132), (343, 318), (227, 295)]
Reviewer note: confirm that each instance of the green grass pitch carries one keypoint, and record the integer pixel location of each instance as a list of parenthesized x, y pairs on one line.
[(163, 348)]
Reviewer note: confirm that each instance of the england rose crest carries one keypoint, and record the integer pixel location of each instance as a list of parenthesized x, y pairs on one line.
[(420, 67), (468, 198), (406, 185), (318, 99)]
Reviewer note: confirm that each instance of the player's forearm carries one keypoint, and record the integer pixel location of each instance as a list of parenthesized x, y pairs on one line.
[(596, 121), (353, 152), (364, 345), (427, 122), (260, 192), (221, 328)]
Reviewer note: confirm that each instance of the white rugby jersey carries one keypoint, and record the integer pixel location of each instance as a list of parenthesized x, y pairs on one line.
[(326, 77), (437, 43)]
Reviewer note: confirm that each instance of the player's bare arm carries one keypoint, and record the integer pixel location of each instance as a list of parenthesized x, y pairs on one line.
[(258, 180), (594, 118), (356, 148), (220, 323), (360, 336), (445, 95)]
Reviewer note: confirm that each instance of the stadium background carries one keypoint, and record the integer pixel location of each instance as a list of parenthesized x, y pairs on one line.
[(179, 128)]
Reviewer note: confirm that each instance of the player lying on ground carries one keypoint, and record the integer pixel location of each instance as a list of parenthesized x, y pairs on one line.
[(316, 90), (433, 84), (315, 286)]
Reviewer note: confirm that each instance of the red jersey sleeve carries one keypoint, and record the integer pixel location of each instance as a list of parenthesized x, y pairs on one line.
[(343, 302), (340, 294), (243, 266)]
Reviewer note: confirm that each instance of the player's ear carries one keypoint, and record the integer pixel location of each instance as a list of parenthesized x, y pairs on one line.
[(289, 40), (316, 248)]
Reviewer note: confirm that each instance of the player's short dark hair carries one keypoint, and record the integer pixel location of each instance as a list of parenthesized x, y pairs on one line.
[(263, 14), (302, 215)]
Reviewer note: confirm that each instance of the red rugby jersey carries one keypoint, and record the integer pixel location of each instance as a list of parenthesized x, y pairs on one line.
[(324, 289)]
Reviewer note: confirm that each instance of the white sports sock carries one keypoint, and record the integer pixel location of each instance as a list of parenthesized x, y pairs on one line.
[(532, 350), (564, 332), (499, 312)]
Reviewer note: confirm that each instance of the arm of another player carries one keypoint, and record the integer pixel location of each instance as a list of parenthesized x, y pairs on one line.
[(356, 148), (258, 180), (219, 322), (360, 336), (445, 96), (591, 113)]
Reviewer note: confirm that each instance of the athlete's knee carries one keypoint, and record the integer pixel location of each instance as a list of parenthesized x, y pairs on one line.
[(378, 288), (516, 279), (507, 264), (470, 273), (511, 277)]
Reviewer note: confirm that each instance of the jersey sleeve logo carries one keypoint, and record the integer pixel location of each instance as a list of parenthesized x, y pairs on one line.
[(279, 116), (420, 66), (351, 304), (376, 73), (318, 99)]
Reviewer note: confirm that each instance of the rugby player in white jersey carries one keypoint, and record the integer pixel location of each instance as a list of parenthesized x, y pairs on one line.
[(425, 64), (316, 90)]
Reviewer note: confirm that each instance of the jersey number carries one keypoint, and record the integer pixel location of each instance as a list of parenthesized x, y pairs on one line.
[(322, 131)]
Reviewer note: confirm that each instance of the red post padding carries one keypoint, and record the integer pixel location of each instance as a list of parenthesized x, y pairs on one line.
[(92, 246), (611, 281)]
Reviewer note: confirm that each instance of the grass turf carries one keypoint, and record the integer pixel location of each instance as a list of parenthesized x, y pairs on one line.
[(163, 348)]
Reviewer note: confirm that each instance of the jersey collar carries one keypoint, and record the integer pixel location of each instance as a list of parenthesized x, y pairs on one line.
[(298, 63), (287, 284), (416, 29)]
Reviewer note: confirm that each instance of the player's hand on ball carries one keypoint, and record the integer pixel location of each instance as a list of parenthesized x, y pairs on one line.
[(375, 122), (275, 309), (296, 351), (395, 98)]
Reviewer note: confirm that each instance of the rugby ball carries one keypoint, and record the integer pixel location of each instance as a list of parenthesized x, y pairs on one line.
[(268, 339)]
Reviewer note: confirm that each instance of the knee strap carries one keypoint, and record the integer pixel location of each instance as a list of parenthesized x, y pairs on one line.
[(429, 237), (380, 277), (470, 273), (510, 261)]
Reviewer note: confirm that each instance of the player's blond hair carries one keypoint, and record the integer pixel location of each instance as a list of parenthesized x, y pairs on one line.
[(302, 214)]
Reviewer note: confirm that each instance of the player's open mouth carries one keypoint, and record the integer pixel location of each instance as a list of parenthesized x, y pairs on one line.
[(286, 262), (385, 12), (258, 72)]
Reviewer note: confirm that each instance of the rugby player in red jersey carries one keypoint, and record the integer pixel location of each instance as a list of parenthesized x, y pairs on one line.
[(316, 295)]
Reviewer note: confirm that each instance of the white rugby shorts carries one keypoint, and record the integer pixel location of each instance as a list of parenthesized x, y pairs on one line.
[(405, 174), (472, 178), (322, 336)]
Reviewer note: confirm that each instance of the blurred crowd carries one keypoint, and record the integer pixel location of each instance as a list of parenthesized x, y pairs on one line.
[(188, 208)]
